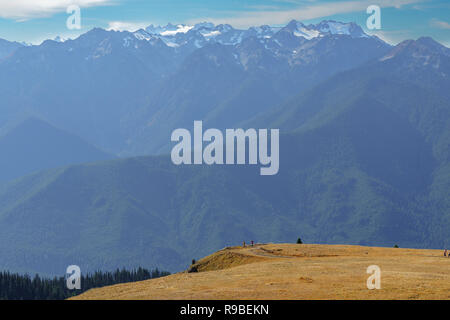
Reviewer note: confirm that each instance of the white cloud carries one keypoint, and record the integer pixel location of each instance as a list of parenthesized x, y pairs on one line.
[(304, 12), (26, 9), (440, 24), (126, 26)]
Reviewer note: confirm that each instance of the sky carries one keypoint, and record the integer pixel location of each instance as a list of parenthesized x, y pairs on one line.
[(33, 21)]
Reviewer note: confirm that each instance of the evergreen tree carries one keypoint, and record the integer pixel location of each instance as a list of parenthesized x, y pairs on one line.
[(23, 287)]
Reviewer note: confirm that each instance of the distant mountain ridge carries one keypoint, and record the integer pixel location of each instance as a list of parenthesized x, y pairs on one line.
[(364, 159), (130, 90), (206, 32), (123, 86), (364, 146), (35, 145)]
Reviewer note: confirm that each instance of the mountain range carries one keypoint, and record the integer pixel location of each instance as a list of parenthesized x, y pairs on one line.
[(206, 33), (364, 146), (122, 88)]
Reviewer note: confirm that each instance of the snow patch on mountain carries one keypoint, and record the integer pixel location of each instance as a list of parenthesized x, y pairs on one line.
[(203, 33), (211, 34), (180, 29), (340, 28), (306, 33)]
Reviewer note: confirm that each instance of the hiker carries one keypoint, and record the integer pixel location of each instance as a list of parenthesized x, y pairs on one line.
[(252, 243), (243, 244), (445, 253)]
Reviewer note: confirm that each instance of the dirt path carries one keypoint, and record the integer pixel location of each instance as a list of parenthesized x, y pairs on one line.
[(259, 251)]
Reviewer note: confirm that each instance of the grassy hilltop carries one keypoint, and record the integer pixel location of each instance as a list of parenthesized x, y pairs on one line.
[(288, 271)]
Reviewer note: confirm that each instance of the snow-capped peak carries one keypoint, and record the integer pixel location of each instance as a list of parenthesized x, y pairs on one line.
[(339, 28), (205, 32), (327, 27), (181, 28), (168, 30)]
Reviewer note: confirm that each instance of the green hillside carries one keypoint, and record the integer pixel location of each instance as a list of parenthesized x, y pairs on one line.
[(146, 211), (34, 145), (364, 159)]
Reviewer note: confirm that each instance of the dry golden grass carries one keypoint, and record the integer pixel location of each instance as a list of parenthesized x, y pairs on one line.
[(291, 271)]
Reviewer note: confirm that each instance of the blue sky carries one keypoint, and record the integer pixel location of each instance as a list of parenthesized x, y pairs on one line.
[(36, 20)]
